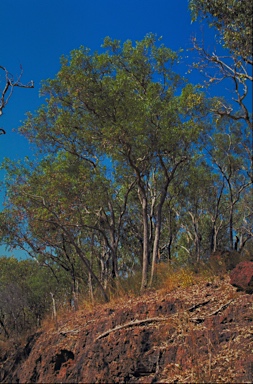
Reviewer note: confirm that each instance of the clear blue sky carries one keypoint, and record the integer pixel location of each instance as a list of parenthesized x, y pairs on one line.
[(35, 33)]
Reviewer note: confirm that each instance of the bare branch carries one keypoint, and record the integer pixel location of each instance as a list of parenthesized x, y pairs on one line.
[(219, 68), (130, 325), (9, 84)]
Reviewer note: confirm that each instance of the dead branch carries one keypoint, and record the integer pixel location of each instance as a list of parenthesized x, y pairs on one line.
[(198, 305), (130, 325), (9, 85), (222, 308)]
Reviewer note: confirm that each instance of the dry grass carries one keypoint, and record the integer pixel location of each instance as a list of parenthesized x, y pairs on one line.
[(168, 278)]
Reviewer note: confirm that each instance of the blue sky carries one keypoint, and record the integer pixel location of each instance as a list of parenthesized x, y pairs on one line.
[(35, 33)]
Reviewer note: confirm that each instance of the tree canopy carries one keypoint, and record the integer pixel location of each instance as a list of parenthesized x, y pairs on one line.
[(233, 21)]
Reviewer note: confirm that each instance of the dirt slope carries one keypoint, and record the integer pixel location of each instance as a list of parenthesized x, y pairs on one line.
[(203, 333)]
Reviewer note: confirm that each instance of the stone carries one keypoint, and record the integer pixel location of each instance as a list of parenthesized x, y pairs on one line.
[(242, 276)]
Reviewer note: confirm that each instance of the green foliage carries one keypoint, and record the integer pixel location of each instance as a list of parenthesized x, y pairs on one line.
[(233, 20)]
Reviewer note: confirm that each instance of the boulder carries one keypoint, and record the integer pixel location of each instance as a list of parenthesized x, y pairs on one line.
[(242, 276)]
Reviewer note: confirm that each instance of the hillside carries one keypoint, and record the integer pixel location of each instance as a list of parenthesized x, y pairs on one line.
[(201, 333)]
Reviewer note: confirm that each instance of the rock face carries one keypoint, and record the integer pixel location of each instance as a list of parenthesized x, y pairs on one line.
[(203, 333), (242, 276)]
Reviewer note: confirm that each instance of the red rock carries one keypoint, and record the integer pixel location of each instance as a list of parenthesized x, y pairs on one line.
[(242, 276), (179, 348)]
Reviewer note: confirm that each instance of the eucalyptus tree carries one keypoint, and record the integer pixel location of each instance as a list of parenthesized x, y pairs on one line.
[(127, 109)]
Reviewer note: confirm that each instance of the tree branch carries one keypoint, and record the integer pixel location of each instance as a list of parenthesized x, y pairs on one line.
[(130, 325), (7, 91)]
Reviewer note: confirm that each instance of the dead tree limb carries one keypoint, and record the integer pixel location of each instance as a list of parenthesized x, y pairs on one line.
[(130, 325), (9, 84), (214, 313)]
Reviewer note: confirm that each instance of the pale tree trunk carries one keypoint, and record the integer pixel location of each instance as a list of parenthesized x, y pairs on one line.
[(214, 219), (197, 236), (90, 286), (145, 252), (145, 220), (91, 294), (214, 236), (54, 312), (167, 179), (75, 295), (104, 265), (213, 245), (156, 242)]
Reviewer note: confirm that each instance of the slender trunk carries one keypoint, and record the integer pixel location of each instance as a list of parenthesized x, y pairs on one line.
[(213, 242), (167, 179), (231, 224), (115, 272), (104, 260), (90, 288), (144, 204), (54, 313), (158, 224), (145, 254), (169, 246), (4, 328), (114, 249), (197, 242), (75, 294), (156, 241)]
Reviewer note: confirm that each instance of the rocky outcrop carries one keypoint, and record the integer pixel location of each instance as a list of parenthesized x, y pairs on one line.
[(242, 276), (202, 333)]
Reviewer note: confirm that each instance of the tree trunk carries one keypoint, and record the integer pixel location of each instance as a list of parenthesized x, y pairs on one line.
[(4, 328), (158, 224), (156, 241), (231, 224), (145, 254), (90, 288), (54, 313)]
